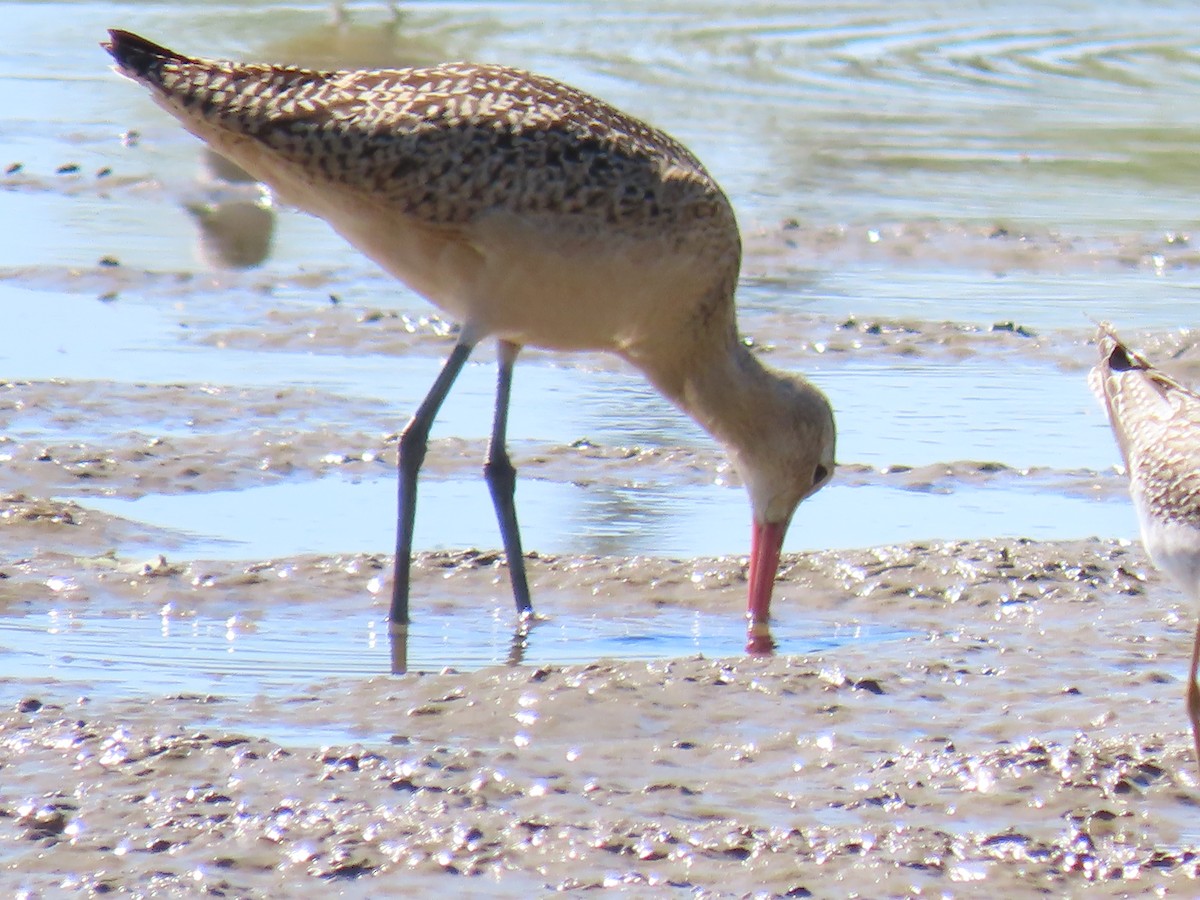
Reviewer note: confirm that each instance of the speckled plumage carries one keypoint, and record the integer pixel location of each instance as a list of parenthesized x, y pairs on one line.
[(445, 143), (1156, 421), (534, 214)]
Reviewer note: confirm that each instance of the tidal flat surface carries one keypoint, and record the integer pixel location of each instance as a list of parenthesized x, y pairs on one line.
[(979, 685)]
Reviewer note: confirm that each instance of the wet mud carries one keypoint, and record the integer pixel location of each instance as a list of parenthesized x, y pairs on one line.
[(1026, 735)]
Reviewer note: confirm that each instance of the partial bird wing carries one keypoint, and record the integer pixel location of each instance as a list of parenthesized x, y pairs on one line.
[(1156, 421)]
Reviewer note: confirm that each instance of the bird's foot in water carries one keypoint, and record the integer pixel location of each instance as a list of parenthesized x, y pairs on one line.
[(758, 639)]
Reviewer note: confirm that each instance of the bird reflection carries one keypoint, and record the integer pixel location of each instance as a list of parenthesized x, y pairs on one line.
[(398, 634), (520, 640), (368, 41), (341, 17), (233, 215), (234, 234), (517, 648)]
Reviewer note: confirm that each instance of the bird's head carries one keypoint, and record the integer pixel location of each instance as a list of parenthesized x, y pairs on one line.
[(792, 456), (789, 458)]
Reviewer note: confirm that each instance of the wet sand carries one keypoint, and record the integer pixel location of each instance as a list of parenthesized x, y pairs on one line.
[(1025, 735)]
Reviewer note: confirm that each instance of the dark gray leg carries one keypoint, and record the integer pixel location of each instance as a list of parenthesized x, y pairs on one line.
[(502, 480), (413, 441)]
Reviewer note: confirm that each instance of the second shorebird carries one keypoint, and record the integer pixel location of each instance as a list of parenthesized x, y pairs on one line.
[(536, 215), (1156, 421)]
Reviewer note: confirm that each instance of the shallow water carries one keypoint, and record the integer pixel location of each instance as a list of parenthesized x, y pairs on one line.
[(245, 656), (332, 515)]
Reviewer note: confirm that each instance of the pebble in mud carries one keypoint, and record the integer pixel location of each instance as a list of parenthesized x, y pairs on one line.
[(938, 244)]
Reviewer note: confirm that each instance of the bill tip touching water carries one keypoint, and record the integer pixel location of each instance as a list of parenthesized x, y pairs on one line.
[(536, 215), (1156, 422)]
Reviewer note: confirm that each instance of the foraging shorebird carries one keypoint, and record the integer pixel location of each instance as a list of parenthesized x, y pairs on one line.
[(535, 214), (1156, 421)]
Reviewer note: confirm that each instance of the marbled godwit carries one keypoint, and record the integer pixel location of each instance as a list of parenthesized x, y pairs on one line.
[(1157, 424), (534, 214)]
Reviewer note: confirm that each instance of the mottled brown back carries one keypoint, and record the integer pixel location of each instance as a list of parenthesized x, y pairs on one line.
[(445, 143)]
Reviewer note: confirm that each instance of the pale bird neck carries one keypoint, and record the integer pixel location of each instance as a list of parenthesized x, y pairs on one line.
[(776, 427), (730, 394)]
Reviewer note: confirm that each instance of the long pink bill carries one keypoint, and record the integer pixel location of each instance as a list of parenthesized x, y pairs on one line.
[(766, 545)]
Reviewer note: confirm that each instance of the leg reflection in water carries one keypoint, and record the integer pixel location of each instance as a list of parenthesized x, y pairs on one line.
[(518, 645)]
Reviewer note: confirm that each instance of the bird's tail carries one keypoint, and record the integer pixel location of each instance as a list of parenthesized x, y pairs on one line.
[(138, 58)]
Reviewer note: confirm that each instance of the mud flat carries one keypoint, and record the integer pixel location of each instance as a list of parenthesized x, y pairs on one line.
[(1018, 727)]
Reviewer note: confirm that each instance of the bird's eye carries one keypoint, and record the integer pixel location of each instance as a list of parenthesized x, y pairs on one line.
[(820, 474), (1119, 360)]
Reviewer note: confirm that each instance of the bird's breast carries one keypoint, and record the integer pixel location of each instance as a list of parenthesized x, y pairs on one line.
[(543, 281), (1174, 546)]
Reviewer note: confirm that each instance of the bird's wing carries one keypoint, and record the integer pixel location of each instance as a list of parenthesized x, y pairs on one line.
[(443, 143)]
